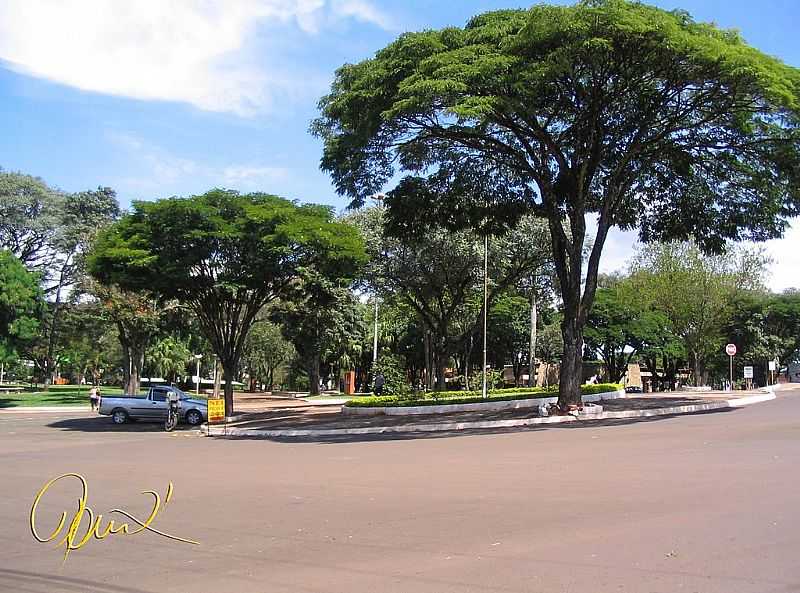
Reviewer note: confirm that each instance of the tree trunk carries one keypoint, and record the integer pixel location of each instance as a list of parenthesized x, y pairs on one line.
[(313, 375), (217, 377), (229, 368), (441, 384), (532, 345), (50, 356), (571, 370), (136, 363), (428, 360)]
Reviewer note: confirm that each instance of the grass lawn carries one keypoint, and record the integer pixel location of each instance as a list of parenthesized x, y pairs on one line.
[(56, 395)]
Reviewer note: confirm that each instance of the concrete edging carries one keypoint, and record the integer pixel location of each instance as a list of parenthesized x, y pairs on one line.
[(47, 409), (512, 404), (451, 426)]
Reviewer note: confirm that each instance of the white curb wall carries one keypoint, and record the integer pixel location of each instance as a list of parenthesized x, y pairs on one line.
[(233, 431)]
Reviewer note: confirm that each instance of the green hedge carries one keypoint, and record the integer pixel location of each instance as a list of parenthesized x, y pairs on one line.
[(435, 398)]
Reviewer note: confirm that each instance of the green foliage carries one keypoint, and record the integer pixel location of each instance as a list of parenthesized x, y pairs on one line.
[(764, 327), (265, 351), (322, 320), (29, 219), (168, 357), (395, 382), (622, 325), (21, 306), (641, 116), (437, 275), (494, 379), (696, 294), (434, 398), (225, 255)]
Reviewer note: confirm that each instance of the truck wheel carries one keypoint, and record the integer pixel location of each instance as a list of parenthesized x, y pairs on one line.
[(119, 416), (194, 417)]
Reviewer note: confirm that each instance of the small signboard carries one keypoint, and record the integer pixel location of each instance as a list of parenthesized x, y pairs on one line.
[(216, 410), (772, 365), (748, 372), (730, 349)]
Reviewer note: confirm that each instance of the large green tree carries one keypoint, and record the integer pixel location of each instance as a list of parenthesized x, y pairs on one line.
[(607, 113), (696, 293), (50, 232), (622, 327), (265, 351), (323, 321), (225, 255), (438, 274), (20, 306)]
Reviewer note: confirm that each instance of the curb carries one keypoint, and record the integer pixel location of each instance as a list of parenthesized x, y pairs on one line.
[(44, 409), (478, 424)]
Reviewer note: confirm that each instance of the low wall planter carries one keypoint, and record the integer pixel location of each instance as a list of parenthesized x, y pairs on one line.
[(487, 406)]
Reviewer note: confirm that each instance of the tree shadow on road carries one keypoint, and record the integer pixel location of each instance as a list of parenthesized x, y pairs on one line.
[(105, 424), (38, 582)]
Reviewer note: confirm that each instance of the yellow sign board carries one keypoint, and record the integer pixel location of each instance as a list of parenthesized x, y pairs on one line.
[(216, 410)]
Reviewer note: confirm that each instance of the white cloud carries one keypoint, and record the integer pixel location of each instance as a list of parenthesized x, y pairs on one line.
[(159, 171), (202, 53), (252, 176), (363, 11), (162, 166), (783, 272), (785, 253)]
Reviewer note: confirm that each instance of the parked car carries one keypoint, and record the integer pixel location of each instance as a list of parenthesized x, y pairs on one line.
[(153, 406), (633, 389)]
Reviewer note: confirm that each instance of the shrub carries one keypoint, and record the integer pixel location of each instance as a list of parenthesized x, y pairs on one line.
[(494, 379), (394, 377), (434, 398)]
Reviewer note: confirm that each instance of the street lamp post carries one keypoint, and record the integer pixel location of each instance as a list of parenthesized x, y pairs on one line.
[(375, 337), (378, 198), (197, 357), (485, 304)]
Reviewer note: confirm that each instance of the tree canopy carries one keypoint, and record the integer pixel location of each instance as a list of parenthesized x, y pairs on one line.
[(20, 305), (642, 118), (224, 255)]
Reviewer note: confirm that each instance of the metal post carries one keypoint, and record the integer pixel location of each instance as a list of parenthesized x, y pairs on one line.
[(197, 389), (485, 303), (731, 373), (375, 337)]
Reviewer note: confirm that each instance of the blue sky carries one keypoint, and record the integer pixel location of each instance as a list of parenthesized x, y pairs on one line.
[(161, 98)]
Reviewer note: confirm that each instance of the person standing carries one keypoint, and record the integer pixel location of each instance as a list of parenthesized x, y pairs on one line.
[(94, 398), (379, 382)]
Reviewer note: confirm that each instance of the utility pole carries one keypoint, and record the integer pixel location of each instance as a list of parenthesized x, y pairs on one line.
[(375, 337), (197, 357), (485, 304)]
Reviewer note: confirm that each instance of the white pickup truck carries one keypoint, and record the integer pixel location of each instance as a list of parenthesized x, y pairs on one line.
[(153, 406)]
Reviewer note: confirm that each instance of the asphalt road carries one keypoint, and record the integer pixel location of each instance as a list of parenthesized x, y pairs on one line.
[(704, 503)]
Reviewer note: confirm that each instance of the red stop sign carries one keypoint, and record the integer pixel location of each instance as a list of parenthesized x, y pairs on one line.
[(730, 349)]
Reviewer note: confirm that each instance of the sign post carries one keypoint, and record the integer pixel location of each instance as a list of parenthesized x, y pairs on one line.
[(748, 376), (730, 350), (216, 412)]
